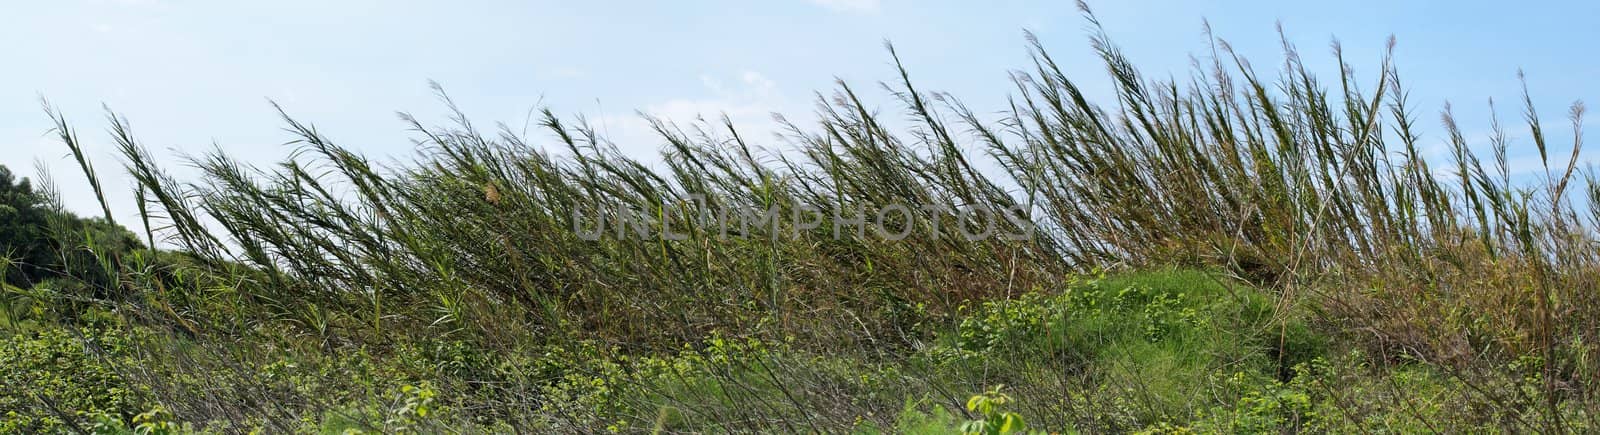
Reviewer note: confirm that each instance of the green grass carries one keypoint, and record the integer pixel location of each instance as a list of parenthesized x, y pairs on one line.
[(1141, 349)]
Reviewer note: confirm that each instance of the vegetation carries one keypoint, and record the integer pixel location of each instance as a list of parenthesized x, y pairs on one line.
[(1229, 254)]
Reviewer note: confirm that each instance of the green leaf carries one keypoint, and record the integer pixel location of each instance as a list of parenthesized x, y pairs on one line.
[(1013, 423)]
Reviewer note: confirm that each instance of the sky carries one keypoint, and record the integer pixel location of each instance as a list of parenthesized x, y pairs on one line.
[(193, 75)]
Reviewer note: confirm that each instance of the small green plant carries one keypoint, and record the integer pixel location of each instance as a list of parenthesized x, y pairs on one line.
[(994, 418), (157, 421), (416, 407)]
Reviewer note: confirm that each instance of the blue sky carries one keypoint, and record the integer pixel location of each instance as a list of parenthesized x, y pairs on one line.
[(189, 74)]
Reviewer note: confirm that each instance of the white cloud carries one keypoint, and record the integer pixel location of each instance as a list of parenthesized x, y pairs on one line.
[(748, 100), (562, 73), (140, 3), (855, 6)]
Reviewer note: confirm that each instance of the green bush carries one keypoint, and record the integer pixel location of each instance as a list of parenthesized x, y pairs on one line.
[(51, 381)]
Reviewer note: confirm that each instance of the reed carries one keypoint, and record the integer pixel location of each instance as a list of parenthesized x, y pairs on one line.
[(1313, 189)]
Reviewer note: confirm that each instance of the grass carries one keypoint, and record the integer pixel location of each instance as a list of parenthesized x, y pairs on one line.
[(1282, 255)]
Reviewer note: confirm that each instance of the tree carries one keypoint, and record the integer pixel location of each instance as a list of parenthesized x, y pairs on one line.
[(39, 242), (24, 249)]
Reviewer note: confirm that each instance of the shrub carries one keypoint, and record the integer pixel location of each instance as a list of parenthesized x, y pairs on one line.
[(55, 380)]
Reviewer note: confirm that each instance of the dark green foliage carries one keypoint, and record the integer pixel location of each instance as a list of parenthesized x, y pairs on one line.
[(23, 231), (41, 241)]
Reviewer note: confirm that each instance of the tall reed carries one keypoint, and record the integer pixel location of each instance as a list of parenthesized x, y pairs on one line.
[(1315, 189)]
